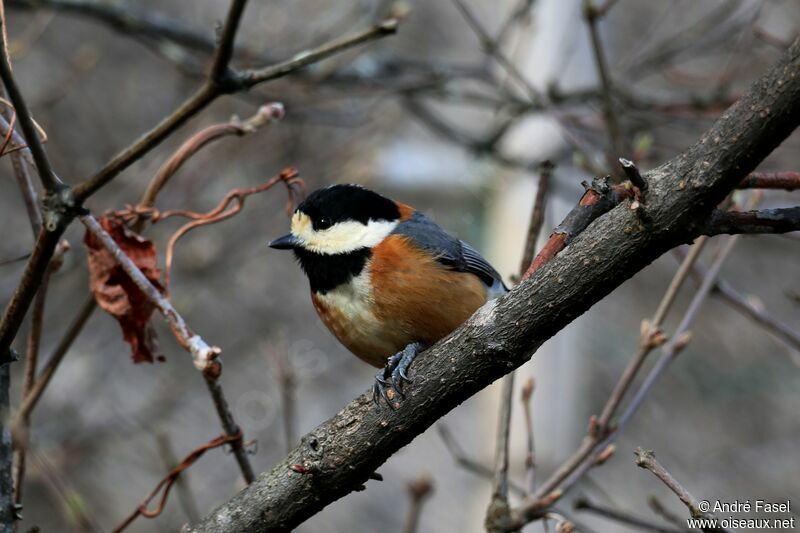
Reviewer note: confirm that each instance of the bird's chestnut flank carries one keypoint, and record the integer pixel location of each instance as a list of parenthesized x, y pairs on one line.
[(385, 279)]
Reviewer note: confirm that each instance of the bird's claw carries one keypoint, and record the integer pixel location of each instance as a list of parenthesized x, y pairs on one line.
[(397, 370)]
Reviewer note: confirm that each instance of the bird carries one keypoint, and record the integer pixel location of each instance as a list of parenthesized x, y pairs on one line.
[(385, 279)]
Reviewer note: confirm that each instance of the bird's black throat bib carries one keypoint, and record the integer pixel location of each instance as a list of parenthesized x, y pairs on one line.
[(326, 272)]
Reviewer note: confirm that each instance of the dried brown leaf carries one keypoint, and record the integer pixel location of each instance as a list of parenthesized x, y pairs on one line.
[(117, 294)]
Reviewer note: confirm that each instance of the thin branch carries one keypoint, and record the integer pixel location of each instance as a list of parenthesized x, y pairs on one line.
[(583, 504), (616, 146), (419, 490), (163, 487), (236, 81), (651, 336), (745, 306), (203, 355), (600, 437), (679, 339), (30, 400), (789, 181), (599, 198), (248, 78), (647, 459), (492, 49), (467, 463), (182, 487), (780, 220), (128, 18), (224, 52), (498, 505), (266, 114), (49, 179), (530, 458), (288, 381), (537, 215), (22, 426), (32, 275), (229, 425), (8, 514)]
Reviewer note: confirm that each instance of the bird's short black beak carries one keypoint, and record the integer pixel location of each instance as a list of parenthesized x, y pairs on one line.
[(287, 242)]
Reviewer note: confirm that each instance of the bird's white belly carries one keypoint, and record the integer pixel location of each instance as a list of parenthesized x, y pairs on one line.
[(348, 312), (352, 306)]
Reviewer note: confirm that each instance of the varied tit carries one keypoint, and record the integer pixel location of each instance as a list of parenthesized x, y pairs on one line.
[(385, 279)]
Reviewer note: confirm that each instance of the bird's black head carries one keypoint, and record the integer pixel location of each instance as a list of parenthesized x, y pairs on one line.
[(340, 203), (335, 228)]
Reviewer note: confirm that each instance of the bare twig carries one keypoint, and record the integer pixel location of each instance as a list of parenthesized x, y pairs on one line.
[(7, 509), (128, 18), (789, 181), (185, 496), (287, 381), (165, 484), (616, 147), (530, 457), (588, 455), (679, 339), (647, 459), (49, 179), (599, 198), (745, 306), (267, 113), (248, 78), (203, 355), (220, 70), (651, 336), (419, 490), (498, 505), (633, 174), (229, 425), (492, 49), (31, 360), (537, 215), (599, 428), (583, 504), (212, 89), (34, 394), (467, 463), (781, 220), (36, 268)]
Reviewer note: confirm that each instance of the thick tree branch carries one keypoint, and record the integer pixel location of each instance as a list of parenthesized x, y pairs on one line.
[(339, 456)]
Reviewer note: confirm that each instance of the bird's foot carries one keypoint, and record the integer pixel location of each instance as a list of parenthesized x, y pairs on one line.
[(397, 370)]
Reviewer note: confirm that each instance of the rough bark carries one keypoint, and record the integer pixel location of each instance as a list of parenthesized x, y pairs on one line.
[(338, 457)]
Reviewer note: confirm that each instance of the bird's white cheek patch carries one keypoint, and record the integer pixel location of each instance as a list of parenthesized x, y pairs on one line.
[(342, 237)]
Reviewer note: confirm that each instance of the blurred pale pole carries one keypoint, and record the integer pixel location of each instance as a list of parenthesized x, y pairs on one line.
[(553, 49)]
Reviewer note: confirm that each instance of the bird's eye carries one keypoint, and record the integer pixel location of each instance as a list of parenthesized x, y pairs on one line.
[(324, 223)]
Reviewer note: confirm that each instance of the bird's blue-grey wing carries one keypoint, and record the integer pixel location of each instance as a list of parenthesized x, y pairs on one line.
[(450, 251)]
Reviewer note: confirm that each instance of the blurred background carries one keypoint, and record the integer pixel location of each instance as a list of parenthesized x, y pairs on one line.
[(453, 115)]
